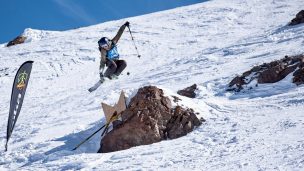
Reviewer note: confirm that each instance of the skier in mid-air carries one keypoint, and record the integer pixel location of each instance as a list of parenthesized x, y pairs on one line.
[(110, 56)]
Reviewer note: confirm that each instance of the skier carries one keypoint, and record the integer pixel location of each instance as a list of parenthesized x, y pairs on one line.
[(110, 56)]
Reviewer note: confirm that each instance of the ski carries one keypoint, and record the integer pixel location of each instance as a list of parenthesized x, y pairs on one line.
[(95, 86)]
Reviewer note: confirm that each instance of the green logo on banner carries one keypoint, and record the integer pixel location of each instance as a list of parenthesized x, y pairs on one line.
[(22, 77)]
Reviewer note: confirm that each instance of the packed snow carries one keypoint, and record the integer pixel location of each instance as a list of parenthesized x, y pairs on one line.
[(207, 44)]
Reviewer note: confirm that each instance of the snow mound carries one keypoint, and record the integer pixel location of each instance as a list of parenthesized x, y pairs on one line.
[(36, 35)]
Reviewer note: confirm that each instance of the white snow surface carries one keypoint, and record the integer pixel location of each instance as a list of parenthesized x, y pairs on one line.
[(208, 44)]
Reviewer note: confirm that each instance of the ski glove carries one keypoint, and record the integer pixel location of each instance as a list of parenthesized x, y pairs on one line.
[(127, 24)]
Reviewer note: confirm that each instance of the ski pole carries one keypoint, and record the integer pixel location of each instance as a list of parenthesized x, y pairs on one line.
[(89, 137), (6, 146), (105, 130), (113, 117), (138, 55)]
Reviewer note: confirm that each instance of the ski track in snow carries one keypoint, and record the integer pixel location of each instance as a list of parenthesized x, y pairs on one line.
[(208, 44)]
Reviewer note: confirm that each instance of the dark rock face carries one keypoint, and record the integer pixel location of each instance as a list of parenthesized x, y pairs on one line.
[(188, 92), (237, 82), (299, 19), (182, 122), (271, 72), (299, 75), (149, 118), (17, 40)]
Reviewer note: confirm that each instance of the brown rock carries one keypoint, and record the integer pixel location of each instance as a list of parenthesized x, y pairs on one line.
[(276, 73), (17, 40), (188, 92), (256, 68), (270, 75), (176, 99), (238, 82), (298, 78), (181, 123), (299, 19), (149, 118), (289, 70), (270, 72)]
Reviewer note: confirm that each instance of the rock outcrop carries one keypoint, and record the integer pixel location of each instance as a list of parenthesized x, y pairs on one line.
[(149, 118), (188, 92), (17, 40), (271, 72), (299, 19), (298, 75)]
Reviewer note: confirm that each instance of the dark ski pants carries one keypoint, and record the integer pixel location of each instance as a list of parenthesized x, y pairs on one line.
[(115, 67)]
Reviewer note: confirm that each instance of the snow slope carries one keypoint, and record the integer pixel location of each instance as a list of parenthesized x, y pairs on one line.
[(208, 44)]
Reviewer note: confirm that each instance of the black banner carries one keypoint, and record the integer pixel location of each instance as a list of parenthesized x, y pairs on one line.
[(19, 87)]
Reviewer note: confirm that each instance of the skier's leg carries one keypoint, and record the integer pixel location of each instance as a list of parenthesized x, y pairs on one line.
[(112, 67), (121, 65)]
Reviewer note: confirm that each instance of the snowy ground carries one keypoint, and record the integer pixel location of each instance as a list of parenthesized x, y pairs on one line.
[(207, 44)]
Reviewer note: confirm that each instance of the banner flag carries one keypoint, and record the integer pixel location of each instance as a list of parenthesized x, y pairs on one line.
[(18, 91)]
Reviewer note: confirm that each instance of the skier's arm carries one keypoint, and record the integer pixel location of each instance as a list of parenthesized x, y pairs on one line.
[(101, 66), (102, 60), (119, 33)]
